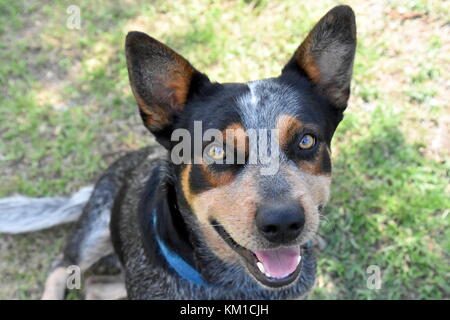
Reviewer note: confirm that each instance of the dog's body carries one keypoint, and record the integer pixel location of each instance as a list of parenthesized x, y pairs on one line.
[(201, 230)]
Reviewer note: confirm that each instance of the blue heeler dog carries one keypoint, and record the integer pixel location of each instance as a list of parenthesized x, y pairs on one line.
[(211, 227)]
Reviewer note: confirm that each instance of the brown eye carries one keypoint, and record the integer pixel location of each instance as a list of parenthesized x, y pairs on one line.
[(307, 142), (216, 153)]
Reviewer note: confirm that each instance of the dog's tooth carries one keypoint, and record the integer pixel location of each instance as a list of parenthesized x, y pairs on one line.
[(261, 267), (299, 258)]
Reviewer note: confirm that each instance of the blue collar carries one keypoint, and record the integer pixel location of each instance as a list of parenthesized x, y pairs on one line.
[(175, 261)]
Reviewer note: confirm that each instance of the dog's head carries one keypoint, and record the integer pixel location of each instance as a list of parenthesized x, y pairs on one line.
[(256, 194)]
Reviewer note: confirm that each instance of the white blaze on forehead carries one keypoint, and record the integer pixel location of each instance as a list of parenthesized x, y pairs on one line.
[(254, 98), (259, 109), (248, 106), (265, 101)]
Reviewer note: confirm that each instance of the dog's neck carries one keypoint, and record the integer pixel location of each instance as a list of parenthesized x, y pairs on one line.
[(165, 228)]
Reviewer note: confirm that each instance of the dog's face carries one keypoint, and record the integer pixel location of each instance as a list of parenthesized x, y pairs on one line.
[(257, 182)]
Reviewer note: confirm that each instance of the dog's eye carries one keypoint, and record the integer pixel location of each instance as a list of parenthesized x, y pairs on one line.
[(216, 153), (307, 142)]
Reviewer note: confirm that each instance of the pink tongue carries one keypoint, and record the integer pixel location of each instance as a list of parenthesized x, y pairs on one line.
[(279, 263)]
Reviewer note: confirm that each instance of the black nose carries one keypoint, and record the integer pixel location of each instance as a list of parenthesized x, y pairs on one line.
[(280, 223)]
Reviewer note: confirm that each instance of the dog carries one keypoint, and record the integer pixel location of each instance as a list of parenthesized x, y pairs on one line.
[(215, 229)]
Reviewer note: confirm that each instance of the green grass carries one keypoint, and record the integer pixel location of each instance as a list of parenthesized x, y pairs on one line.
[(66, 112), (387, 210)]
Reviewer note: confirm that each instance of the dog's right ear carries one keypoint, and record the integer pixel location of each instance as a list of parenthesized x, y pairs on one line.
[(162, 82), (326, 55)]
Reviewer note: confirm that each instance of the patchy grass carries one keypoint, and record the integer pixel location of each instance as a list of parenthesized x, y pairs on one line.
[(66, 112), (387, 210)]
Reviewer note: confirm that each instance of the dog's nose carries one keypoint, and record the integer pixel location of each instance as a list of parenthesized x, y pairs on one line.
[(280, 223)]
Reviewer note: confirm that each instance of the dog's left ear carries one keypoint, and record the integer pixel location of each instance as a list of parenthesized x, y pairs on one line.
[(161, 80), (326, 55)]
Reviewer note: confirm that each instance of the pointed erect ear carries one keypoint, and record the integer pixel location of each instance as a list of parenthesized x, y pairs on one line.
[(161, 81), (326, 55)]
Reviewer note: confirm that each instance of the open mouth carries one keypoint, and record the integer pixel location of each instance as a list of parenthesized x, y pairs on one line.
[(274, 268)]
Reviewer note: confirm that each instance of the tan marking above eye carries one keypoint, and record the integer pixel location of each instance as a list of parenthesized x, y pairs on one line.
[(236, 136), (287, 127)]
